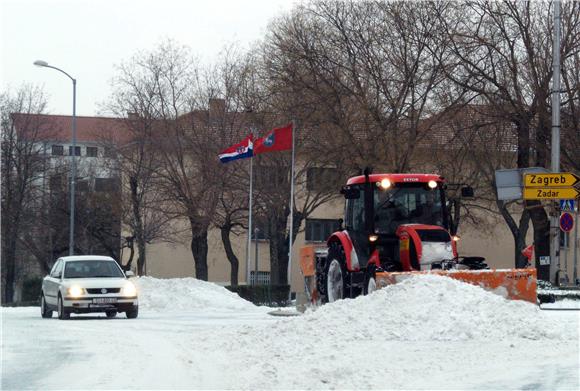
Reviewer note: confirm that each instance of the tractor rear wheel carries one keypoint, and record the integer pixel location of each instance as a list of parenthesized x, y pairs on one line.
[(335, 274)]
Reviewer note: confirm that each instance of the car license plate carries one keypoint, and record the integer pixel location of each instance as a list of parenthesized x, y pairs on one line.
[(104, 300)]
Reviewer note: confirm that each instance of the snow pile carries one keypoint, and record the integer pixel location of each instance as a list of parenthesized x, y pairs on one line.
[(428, 308), (427, 325), (186, 294)]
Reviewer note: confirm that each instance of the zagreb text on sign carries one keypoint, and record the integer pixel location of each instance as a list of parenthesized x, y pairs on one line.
[(563, 179)]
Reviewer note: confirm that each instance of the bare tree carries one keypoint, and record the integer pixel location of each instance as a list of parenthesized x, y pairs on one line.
[(501, 52), (133, 154), (170, 89), (22, 163)]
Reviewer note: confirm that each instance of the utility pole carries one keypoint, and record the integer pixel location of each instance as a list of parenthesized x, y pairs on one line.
[(554, 219)]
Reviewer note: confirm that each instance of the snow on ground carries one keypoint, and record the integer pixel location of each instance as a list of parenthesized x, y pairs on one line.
[(428, 332), (186, 294)]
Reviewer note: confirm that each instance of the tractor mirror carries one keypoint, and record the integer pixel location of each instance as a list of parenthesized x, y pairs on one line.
[(350, 193), (467, 192)]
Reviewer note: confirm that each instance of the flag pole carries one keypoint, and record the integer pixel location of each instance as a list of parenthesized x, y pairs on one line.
[(291, 214), (249, 221)]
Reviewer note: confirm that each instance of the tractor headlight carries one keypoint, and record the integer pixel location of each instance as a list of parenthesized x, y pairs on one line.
[(75, 291), (385, 183), (373, 238), (456, 238), (432, 184), (129, 290)]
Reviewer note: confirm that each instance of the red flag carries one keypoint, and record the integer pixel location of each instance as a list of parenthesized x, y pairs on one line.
[(279, 139)]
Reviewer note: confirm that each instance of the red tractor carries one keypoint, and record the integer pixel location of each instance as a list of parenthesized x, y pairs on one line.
[(395, 224)]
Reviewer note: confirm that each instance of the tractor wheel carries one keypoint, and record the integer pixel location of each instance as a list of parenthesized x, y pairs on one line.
[(370, 282), (335, 274)]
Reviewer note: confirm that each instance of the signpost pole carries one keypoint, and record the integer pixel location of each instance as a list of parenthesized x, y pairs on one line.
[(554, 226), (576, 240)]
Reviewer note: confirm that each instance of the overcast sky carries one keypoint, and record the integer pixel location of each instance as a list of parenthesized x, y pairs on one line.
[(88, 38)]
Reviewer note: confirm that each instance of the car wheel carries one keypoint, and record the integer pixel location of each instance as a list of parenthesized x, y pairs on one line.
[(62, 312), (111, 314), (45, 312), (132, 314)]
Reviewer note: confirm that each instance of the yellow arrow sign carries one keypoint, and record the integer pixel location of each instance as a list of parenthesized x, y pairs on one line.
[(551, 193), (559, 179)]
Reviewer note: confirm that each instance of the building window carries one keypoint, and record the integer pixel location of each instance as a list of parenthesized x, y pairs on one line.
[(77, 151), (322, 178), (319, 230), (105, 184), (57, 150), (263, 232), (57, 182), (263, 278), (82, 185), (108, 152), (270, 177), (92, 151)]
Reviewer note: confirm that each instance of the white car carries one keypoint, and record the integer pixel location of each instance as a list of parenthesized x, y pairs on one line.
[(88, 283)]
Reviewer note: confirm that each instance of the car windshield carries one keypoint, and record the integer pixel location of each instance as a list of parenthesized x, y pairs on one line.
[(408, 204), (91, 269)]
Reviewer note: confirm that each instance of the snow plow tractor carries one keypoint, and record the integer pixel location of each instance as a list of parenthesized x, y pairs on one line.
[(397, 226)]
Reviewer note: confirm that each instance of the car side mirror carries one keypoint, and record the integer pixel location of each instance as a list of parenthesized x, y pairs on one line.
[(350, 193), (129, 273), (467, 192)]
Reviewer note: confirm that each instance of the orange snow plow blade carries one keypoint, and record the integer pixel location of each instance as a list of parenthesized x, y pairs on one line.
[(513, 284)]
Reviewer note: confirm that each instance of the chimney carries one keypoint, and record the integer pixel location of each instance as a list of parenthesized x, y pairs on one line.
[(217, 108), (132, 116)]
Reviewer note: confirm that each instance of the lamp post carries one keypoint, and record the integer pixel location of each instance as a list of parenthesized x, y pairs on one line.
[(71, 240)]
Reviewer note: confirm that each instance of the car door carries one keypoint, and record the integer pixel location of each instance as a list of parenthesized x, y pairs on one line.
[(52, 282)]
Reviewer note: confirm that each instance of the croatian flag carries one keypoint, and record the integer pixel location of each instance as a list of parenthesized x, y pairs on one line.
[(239, 151)]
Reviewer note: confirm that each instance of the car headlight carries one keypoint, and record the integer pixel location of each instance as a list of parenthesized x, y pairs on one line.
[(75, 291), (129, 290)]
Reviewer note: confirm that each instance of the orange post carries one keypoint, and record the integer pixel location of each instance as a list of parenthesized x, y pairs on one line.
[(307, 261)]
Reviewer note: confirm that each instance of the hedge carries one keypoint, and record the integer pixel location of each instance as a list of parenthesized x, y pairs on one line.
[(270, 295)]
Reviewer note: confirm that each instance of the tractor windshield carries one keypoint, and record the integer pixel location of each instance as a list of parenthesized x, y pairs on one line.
[(407, 204)]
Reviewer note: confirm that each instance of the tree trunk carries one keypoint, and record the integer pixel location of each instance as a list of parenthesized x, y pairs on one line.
[(278, 250), (520, 241), (131, 247), (541, 224), (9, 262), (138, 227), (199, 248), (141, 270), (518, 232), (234, 262)]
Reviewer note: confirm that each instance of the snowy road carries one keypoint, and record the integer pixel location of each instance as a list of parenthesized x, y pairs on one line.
[(233, 345)]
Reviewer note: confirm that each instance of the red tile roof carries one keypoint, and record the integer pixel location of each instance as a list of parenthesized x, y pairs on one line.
[(59, 128)]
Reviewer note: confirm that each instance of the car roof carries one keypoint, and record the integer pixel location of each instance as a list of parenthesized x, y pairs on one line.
[(86, 258)]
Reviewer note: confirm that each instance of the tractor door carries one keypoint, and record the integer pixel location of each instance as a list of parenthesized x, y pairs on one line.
[(356, 227)]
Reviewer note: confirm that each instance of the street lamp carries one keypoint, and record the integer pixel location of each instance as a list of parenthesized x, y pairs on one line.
[(71, 240)]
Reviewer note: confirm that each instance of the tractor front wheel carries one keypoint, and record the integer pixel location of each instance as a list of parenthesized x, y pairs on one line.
[(335, 274), (370, 282)]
